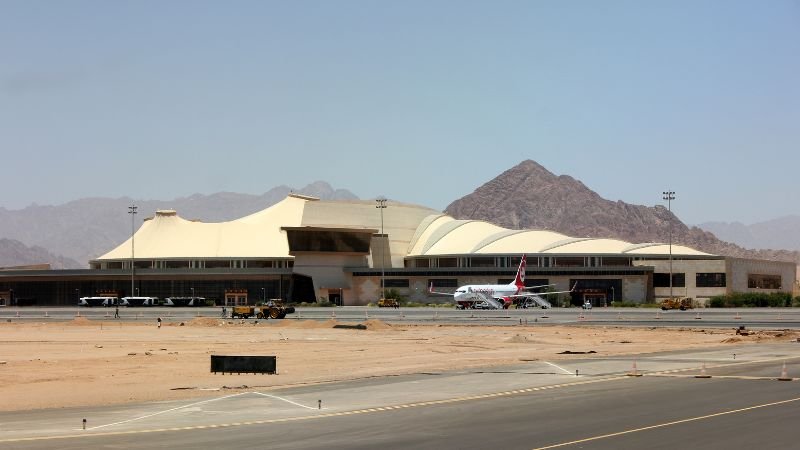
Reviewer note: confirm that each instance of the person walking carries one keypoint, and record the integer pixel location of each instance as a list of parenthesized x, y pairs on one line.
[(159, 322), (116, 312)]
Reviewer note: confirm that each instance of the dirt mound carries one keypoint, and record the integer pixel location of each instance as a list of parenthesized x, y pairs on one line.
[(307, 324), (519, 339), (205, 322), (79, 321), (374, 324), (732, 340)]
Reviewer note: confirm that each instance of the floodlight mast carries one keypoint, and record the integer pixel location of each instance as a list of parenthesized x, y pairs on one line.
[(382, 205), (669, 196), (132, 211)]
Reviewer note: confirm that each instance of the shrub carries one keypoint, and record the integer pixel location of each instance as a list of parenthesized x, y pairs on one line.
[(751, 300), (625, 304)]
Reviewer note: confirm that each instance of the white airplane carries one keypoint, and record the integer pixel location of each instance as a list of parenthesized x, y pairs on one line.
[(497, 295)]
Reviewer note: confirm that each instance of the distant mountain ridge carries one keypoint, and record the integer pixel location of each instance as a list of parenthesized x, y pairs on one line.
[(529, 196), (783, 233), (15, 253), (84, 229)]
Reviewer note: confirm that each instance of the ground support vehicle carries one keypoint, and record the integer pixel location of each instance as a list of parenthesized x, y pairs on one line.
[(677, 303), (275, 309), (243, 312), (388, 303)]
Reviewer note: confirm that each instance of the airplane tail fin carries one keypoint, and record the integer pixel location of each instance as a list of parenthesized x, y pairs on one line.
[(519, 281)]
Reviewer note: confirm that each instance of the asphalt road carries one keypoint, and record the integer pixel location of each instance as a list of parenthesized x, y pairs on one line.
[(540, 404), (769, 318)]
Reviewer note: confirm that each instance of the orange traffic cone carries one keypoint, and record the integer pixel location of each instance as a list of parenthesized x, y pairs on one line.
[(634, 372), (333, 314), (784, 376), (703, 373)]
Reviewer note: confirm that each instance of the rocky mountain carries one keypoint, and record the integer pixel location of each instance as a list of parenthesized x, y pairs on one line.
[(783, 232), (15, 253), (529, 196), (84, 229)]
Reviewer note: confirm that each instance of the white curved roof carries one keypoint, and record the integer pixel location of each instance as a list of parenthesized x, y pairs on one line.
[(444, 235), (413, 231), (258, 235)]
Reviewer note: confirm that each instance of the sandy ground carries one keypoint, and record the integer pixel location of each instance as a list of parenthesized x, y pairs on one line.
[(81, 362)]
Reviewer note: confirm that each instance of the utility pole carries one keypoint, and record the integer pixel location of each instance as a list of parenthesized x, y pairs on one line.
[(669, 196), (132, 212), (382, 205)]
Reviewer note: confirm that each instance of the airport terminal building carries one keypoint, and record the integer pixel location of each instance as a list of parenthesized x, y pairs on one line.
[(303, 249)]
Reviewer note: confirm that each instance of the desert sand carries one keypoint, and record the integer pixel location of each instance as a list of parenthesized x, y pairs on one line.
[(83, 362)]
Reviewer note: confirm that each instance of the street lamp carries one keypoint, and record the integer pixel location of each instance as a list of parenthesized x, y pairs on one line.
[(192, 289), (382, 205), (669, 196), (132, 211), (263, 295)]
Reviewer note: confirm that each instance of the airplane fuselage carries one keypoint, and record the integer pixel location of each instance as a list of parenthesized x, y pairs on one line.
[(498, 291)]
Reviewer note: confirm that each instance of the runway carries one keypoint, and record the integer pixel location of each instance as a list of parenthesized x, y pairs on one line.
[(588, 403)]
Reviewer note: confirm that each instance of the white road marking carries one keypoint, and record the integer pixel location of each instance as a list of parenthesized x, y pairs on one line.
[(559, 368), (286, 400), (167, 410)]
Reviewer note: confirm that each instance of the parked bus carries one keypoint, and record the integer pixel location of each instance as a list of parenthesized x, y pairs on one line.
[(141, 301), (185, 301), (102, 301)]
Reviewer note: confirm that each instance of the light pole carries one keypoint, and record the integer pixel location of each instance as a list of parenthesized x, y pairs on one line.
[(613, 297), (132, 212), (263, 295), (669, 196), (382, 205), (192, 289)]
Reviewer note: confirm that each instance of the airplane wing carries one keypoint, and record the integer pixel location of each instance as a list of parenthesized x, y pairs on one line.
[(542, 293), (528, 288), (431, 291)]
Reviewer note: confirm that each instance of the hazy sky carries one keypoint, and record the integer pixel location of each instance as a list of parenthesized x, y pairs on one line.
[(421, 101)]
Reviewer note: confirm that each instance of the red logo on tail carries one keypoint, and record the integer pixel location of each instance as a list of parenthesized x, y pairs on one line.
[(519, 281)]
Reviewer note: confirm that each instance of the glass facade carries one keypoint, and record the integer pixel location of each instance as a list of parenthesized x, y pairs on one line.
[(443, 282), (662, 280), (710, 280), (757, 281), (395, 282)]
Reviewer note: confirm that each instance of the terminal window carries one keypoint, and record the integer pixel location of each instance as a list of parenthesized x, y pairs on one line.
[(710, 280), (395, 282), (662, 280), (757, 281), (443, 283)]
